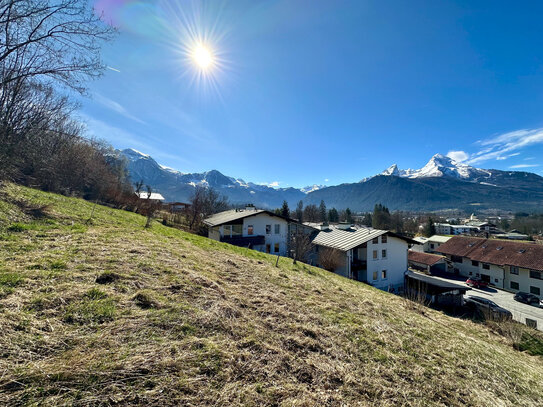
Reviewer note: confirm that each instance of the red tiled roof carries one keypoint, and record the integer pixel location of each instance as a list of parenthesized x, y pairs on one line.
[(499, 252), (423, 258)]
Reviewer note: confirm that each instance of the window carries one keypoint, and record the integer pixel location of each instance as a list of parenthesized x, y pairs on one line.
[(384, 253), (375, 255), (514, 270), (226, 230), (276, 248), (475, 263), (384, 239), (268, 248), (432, 245), (277, 229), (268, 229), (374, 275), (535, 290), (536, 275), (486, 266), (470, 273), (456, 259), (375, 240), (495, 280), (237, 230), (384, 274), (514, 285), (250, 230)]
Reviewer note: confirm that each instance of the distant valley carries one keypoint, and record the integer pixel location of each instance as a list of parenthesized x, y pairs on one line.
[(440, 185)]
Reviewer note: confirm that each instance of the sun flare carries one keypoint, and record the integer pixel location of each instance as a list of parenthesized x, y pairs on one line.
[(202, 57)]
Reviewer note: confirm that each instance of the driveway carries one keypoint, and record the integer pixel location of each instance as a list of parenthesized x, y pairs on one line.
[(504, 299)]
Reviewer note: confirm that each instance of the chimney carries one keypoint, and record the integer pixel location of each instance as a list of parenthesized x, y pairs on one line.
[(250, 207), (343, 225), (324, 226)]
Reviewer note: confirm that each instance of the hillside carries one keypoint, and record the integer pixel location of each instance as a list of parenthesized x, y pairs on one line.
[(110, 313)]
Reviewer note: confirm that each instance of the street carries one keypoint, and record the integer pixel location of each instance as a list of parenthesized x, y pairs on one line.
[(504, 299)]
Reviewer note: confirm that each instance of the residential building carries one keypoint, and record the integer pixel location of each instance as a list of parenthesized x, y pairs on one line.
[(426, 262), (448, 229), (377, 257), (256, 229), (514, 266), (153, 196), (428, 244)]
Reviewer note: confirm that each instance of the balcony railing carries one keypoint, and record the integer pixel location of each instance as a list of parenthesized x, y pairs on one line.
[(244, 241)]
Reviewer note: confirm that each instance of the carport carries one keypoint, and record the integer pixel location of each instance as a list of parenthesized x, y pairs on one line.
[(435, 290)]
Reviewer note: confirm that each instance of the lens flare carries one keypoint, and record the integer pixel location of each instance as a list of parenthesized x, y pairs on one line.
[(202, 57)]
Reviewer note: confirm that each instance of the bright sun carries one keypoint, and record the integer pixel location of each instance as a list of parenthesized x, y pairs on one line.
[(202, 57)]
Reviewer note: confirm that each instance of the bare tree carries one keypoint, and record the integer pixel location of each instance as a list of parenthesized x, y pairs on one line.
[(300, 243), (203, 203), (55, 39), (330, 259)]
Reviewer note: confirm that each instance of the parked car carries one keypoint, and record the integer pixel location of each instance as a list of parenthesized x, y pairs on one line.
[(527, 298), (488, 308), (476, 282)]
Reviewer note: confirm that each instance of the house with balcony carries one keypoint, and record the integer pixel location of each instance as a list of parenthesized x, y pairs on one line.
[(377, 257), (510, 265), (254, 228)]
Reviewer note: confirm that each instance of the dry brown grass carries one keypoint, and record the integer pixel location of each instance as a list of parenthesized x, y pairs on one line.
[(188, 321)]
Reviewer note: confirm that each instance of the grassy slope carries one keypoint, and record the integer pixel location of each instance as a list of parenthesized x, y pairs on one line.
[(192, 321)]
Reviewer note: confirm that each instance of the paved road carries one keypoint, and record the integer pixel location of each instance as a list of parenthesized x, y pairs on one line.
[(504, 299)]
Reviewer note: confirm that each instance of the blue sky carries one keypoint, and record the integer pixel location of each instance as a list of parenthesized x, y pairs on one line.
[(323, 92)]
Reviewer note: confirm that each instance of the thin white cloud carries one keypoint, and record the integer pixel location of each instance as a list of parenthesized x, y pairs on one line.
[(326, 180), (458, 155), (113, 69), (273, 184), (506, 145), (116, 107), (524, 166), (529, 158)]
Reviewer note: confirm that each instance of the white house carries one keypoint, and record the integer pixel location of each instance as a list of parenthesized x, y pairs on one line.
[(513, 266), (447, 229), (377, 257), (429, 244), (257, 229)]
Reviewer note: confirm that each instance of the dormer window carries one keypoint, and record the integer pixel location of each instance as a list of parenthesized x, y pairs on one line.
[(522, 251), (499, 248)]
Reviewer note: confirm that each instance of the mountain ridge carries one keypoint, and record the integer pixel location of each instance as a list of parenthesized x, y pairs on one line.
[(441, 184)]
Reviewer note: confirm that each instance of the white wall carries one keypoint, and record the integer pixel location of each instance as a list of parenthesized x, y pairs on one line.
[(523, 279), (395, 263), (259, 223)]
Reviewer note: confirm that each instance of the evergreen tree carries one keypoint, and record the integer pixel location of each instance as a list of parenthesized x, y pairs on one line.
[(322, 211), (429, 228), (285, 211), (300, 211), (333, 215), (348, 216), (367, 220)]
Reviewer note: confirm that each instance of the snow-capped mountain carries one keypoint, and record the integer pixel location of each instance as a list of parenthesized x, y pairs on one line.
[(178, 186), (311, 188), (440, 166), (441, 184)]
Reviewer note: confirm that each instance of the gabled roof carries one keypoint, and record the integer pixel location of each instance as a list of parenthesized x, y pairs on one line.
[(499, 252), (439, 238), (346, 239), (155, 196), (424, 258), (225, 217)]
